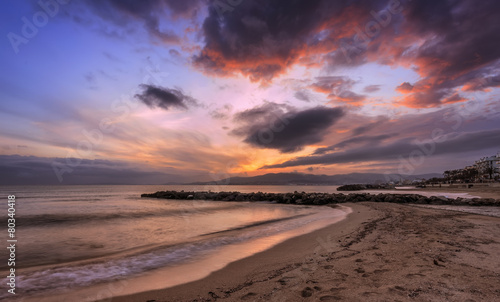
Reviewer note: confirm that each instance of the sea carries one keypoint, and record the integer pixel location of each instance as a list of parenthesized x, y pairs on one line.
[(88, 243)]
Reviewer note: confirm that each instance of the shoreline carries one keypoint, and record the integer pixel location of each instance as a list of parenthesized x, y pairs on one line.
[(171, 276), (281, 258), (380, 251)]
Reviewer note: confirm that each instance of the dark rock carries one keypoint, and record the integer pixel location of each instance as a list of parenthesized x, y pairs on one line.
[(351, 188)]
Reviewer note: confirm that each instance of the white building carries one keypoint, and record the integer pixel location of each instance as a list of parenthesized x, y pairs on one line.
[(488, 167)]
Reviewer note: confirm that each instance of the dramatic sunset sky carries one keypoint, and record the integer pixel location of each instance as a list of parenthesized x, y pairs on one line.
[(111, 91)]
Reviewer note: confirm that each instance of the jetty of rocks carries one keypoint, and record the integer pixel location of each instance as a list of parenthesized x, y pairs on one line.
[(323, 198)]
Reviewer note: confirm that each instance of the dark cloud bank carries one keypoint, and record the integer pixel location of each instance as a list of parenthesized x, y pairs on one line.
[(454, 143), (263, 39), (369, 142), (284, 128)]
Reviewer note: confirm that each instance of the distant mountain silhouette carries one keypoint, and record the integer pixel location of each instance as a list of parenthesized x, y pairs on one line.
[(312, 179)]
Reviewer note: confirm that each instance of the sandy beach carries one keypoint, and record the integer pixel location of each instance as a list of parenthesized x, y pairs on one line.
[(381, 252)]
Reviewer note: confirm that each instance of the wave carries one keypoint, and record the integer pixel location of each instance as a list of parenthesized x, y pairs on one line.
[(56, 219), (260, 223)]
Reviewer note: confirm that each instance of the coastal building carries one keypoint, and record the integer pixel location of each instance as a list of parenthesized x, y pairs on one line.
[(488, 167)]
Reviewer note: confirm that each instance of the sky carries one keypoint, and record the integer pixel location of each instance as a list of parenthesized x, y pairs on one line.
[(173, 91)]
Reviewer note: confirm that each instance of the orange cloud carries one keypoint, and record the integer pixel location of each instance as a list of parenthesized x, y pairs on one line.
[(405, 88), (348, 97)]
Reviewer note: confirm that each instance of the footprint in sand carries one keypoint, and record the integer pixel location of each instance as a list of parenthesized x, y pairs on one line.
[(285, 280), (248, 296), (360, 270), (307, 292)]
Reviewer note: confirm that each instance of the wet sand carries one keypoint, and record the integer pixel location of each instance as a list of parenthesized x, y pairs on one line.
[(381, 252)]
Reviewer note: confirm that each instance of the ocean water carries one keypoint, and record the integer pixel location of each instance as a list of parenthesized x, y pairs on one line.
[(75, 242)]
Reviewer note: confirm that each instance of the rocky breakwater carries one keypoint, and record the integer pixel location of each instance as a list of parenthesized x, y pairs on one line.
[(322, 198)]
